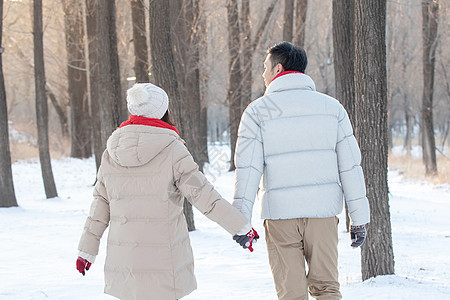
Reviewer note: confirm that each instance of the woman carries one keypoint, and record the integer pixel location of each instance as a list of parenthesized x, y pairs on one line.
[(145, 173)]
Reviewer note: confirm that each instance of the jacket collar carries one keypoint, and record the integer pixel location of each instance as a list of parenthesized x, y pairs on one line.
[(131, 146), (291, 81), (139, 120)]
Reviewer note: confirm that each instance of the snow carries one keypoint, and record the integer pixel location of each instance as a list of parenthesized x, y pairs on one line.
[(38, 243), (20, 136)]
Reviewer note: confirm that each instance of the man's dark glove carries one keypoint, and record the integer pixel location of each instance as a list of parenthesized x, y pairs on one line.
[(246, 240), (358, 235)]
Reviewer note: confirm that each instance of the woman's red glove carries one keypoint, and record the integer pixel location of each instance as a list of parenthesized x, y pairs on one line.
[(82, 265), (247, 240)]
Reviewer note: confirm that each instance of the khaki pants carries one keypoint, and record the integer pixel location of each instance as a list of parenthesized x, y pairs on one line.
[(289, 243)]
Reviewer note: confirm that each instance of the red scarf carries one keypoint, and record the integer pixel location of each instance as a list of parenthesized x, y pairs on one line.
[(284, 73), (138, 120)]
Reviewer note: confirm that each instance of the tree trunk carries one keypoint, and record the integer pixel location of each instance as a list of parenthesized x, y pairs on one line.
[(140, 41), (235, 76), (371, 130), (249, 43), (288, 21), (190, 91), (162, 57), (59, 110), (344, 57), (391, 128), (7, 195), (408, 124), (240, 77), (300, 22), (430, 19), (41, 102), (164, 71), (247, 56), (192, 96), (203, 54), (178, 28), (94, 97), (109, 73), (344, 54), (77, 79)]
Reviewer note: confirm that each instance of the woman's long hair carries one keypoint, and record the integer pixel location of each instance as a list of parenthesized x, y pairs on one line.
[(168, 118)]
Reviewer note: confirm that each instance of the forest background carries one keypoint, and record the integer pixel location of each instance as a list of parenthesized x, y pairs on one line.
[(404, 65), (387, 62)]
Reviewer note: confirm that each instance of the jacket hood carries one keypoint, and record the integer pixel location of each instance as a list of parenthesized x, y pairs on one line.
[(292, 81), (136, 145)]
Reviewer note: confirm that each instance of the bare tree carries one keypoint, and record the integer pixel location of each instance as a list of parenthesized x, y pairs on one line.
[(192, 94), (94, 96), (295, 33), (403, 48), (186, 39), (288, 21), (240, 74), (246, 54), (235, 73), (300, 20), (41, 102), (344, 54), (377, 256), (109, 88), (164, 71), (202, 44), (344, 57), (140, 41), (59, 109), (162, 56), (430, 19), (77, 79), (7, 195), (57, 104)]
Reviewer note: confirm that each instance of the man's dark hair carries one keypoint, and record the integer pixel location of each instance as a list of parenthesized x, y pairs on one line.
[(290, 56)]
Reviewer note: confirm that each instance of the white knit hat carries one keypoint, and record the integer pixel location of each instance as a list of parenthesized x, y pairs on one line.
[(147, 100)]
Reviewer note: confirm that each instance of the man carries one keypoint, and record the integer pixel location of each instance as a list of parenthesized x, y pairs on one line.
[(302, 145)]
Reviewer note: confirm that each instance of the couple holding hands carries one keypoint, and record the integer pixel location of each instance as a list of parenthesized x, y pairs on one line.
[(295, 149)]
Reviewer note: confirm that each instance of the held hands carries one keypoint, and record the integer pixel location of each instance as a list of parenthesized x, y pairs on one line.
[(246, 240), (82, 265), (358, 235)]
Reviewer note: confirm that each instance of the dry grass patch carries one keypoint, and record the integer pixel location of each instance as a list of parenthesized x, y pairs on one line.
[(23, 143), (413, 168)]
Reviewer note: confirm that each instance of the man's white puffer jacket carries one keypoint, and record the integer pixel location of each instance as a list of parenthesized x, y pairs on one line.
[(301, 143)]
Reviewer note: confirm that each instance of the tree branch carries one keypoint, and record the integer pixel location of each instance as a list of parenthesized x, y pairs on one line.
[(262, 26)]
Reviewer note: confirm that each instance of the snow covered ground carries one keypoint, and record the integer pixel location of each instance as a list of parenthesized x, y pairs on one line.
[(38, 244)]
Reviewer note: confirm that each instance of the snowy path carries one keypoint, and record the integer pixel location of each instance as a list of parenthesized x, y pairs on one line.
[(38, 244)]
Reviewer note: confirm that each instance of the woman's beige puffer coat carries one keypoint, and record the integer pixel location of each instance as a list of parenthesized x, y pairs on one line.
[(144, 174)]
